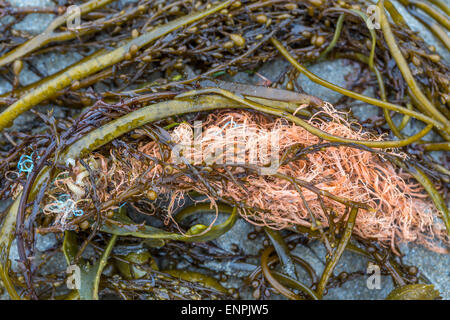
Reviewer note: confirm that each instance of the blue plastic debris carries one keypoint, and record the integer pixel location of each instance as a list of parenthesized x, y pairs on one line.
[(26, 163)]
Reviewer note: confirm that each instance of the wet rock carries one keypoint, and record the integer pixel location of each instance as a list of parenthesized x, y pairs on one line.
[(33, 23)]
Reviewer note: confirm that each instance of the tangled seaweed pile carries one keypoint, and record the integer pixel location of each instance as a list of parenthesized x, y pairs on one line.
[(363, 187)]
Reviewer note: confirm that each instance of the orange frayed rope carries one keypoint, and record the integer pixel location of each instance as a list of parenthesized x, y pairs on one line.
[(403, 211)]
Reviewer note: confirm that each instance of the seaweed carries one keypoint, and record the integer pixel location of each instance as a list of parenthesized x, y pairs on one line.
[(106, 180)]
